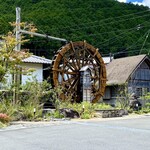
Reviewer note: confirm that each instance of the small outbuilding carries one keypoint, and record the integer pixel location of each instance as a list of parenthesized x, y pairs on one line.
[(85, 83), (134, 71)]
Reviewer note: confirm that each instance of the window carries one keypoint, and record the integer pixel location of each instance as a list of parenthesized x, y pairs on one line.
[(141, 91)]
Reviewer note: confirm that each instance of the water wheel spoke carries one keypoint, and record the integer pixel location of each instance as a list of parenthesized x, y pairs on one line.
[(84, 53), (68, 63), (75, 55), (70, 80), (82, 57), (87, 60), (96, 71), (66, 70), (74, 64), (74, 84), (71, 73), (93, 56)]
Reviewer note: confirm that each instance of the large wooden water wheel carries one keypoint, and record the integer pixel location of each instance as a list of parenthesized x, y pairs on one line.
[(66, 66)]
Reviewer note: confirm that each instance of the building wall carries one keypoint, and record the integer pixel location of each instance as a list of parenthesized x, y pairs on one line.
[(110, 95), (38, 73), (139, 82), (8, 78)]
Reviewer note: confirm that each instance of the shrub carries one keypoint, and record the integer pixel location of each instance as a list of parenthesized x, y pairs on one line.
[(85, 115), (85, 109), (4, 118), (7, 107), (2, 125), (33, 96), (26, 111), (145, 109), (57, 114), (101, 106)]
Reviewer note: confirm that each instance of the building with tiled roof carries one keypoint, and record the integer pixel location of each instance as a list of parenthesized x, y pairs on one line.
[(37, 59)]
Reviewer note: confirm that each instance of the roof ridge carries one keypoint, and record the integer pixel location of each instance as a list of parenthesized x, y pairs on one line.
[(37, 59), (131, 56)]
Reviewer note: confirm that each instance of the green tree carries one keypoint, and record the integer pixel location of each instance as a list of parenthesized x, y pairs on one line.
[(9, 58)]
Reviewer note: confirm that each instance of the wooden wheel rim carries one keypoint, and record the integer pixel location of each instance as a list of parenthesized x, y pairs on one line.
[(67, 63)]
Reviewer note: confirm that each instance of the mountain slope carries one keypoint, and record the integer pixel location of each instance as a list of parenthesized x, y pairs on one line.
[(111, 26)]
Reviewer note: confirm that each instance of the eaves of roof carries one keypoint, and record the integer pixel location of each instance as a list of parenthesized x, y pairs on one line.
[(36, 59)]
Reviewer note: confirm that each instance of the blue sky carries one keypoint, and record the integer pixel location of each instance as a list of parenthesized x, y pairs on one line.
[(134, 0), (140, 2)]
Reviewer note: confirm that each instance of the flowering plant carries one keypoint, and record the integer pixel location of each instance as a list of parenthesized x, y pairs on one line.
[(4, 118)]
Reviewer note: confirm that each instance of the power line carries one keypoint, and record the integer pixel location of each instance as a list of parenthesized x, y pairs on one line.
[(92, 26), (136, 42), (101, 21), (110, 19), (125, 51), (145, 40), (137, 13), (111, 23), (136, 28), (114, 38)]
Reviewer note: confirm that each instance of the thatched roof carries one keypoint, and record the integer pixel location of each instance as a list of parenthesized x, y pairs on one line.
[(119, 70)]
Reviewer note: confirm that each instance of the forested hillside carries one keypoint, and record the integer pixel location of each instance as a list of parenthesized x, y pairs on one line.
[(111, 26)]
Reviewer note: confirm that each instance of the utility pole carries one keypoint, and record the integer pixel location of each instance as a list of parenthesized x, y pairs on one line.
[(18, 34), (147, 35), (16, 77), (18, 48), (19, 31)]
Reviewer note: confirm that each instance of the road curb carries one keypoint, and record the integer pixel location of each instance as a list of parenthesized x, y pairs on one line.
[(56, 121)]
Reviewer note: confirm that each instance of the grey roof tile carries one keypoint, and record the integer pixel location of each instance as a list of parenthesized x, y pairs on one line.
[(37, 59)]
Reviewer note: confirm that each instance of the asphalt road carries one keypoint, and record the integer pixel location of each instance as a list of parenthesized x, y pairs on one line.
[(127, 134)]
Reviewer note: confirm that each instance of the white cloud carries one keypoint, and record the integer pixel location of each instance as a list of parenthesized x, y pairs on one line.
[(138, 3), (146, 3), (122, 1)]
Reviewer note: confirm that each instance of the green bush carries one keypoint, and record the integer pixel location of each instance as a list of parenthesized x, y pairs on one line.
[(2, 125), (85, 115), (145, 109), (35, 92), (85, 109), (7, 107), (5, 119), (101, 106), (30, 112), (57, 114), (147, 105), (32, 95)]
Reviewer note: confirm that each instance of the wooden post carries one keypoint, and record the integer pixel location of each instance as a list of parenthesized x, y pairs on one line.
[(18, 36), (17, 48)]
